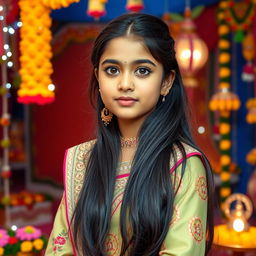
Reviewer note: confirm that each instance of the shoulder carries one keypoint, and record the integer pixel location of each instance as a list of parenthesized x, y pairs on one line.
[(188, 153)]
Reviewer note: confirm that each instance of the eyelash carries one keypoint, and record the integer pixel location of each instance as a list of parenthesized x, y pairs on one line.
[(148, 70)]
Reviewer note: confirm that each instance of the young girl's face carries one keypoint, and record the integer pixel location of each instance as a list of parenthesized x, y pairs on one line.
[(130, 79)]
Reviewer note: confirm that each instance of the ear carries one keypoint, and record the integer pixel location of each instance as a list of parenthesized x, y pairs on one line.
[(167, 83), (96, 73)]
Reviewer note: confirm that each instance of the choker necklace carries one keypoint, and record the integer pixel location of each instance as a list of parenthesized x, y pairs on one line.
[(129, 142)]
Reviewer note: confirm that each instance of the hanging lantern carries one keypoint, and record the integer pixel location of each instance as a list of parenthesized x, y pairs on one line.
[(191, 51), (134, 5), (96, 8)]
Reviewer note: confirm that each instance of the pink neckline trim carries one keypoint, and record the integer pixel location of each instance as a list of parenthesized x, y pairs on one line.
[(66, 202)]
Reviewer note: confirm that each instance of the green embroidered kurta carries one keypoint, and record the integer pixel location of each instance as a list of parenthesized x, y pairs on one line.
[(186, 236)]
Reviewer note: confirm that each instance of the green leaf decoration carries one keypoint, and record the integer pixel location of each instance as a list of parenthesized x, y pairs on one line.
[(176, 17), (239, 36), (197, 11)]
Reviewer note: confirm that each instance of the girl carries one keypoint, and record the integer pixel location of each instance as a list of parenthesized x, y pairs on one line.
[(142, 187)]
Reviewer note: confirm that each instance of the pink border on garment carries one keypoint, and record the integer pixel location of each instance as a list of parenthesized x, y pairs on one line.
[(66, 202), (181, 160), (171, 170)]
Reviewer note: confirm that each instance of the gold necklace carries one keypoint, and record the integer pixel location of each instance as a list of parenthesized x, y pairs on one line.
[(129, 142)]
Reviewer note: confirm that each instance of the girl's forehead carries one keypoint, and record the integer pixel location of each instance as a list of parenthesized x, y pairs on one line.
[(126, 49)]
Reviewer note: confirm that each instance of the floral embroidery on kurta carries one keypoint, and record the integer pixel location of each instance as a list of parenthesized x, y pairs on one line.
[(59, 241), (111, 244), (175, 215), (201, 187), (196, 229)]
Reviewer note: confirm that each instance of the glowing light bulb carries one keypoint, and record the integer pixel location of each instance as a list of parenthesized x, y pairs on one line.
[(14, 227), (51, 87), (1, 17), (5, 29), (4, 57), (9, 54), (185, 54), (8, 85), (201, 130), (11, 30), (1, 8), (9, 64), (6, 46), (19, 24), (238, 225)]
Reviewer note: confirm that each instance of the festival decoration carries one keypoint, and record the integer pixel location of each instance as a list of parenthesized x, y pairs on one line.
[(248, 53), (191, 51), (24, 241), (251, 115), (36, 68), (251, 157), (224, 101), (236, 233), (6, 53), (96, 8), (134, 5), (239, 16)]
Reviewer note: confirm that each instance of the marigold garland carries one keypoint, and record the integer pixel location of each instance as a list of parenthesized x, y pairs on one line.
[(251, 115), (35, 48), (224, 100)]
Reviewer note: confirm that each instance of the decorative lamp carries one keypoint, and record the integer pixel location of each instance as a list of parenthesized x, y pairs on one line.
[(191, 51), (134, 5), (96, 8), (240, 214)]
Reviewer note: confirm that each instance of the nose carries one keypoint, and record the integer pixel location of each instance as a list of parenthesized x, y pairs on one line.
[(126, 82)]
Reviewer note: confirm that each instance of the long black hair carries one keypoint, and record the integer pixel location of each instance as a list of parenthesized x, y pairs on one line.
[(147, 205)]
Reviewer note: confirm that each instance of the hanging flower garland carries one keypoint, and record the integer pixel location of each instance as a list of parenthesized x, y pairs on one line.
[(135, 5), (239, 16), (224, 100), (36, 68), (251, 115), (96, 8)]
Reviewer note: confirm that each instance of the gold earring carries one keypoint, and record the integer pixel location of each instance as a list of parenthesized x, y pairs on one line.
[(106, 116)]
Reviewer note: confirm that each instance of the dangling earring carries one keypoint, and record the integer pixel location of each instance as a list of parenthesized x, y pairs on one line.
[(163, 99), (106, 116)]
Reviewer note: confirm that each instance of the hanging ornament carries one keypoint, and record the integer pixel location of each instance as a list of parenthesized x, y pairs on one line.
[(96, 8), (248, 53), (135, 5), (251, 157), (239, 16), (191, 50)]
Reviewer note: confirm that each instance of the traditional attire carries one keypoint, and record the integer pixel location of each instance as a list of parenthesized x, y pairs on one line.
[(187, 232)]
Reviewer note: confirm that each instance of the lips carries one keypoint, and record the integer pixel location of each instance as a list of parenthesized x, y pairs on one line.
[(126, 101)]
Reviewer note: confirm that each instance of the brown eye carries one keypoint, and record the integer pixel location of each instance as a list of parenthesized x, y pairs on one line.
[(142, 71), (113, 71)]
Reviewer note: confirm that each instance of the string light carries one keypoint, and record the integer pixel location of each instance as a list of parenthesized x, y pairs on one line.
[(4, 57), (9, 64), (51, 87), (8, 85)]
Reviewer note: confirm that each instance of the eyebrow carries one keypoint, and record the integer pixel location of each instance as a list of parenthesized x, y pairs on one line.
[(139, 61)]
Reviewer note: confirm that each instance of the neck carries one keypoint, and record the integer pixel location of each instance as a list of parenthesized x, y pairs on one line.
[(128, 128)]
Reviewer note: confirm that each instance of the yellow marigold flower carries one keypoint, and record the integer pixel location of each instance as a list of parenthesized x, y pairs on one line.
[(251, 103), (223, 5), (225, 192), (224, 44), (224, 85), (1, 251), (224, 72), (225, 160), (225, 144), (224, 128), (26, 246), (224, 57), (38, 244), (221, 16), (225, 176), (223, 29), (251, 157)]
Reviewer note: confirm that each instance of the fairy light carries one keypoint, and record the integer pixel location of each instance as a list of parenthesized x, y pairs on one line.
[(19, 24), (6, 46), (201, 130), (8, 85), (1, 8), (51, 87), (5, 29), (9, 54), (11, 30), (9, 64), (4, 57), (14, 227)]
